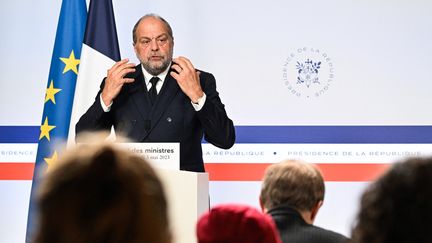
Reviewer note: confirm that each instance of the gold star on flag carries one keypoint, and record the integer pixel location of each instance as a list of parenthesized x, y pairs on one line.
[(71, 63), (45, 130), (52, 160), (50, 92)]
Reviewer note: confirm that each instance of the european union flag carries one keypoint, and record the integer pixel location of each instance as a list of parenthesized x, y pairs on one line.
[(59, 95)]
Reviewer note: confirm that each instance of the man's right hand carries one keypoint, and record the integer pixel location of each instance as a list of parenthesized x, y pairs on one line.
[(115, 80)]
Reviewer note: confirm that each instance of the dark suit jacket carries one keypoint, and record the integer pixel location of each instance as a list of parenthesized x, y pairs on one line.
[(171, 119), (293, 229)]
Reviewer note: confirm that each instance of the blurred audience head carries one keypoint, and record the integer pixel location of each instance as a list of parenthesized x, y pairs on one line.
[(234, 223), (398, 206), (97, 192), (293, 183)]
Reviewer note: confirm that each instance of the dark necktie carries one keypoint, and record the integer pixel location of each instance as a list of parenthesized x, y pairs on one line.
[(153, 91)]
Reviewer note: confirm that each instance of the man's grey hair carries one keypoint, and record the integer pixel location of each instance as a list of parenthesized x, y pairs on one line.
[(152, 15)]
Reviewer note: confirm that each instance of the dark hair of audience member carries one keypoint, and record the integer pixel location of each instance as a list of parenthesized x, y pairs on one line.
[(100, 193), (398, 206)]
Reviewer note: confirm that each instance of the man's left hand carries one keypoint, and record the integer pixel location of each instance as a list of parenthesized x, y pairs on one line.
[(187, 78)]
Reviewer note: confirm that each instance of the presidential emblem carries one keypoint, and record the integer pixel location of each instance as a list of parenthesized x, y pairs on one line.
[(308, 73)]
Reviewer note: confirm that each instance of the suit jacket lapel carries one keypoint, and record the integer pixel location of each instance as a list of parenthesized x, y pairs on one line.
[(165, 97), (138, 92)]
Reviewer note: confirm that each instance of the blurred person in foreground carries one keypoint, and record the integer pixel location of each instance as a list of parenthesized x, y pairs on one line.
[(98, 193), (292, 193), (235, 223), (398, 206)]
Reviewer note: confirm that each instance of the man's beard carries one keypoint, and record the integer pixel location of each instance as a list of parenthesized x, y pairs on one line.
[(156, 69)]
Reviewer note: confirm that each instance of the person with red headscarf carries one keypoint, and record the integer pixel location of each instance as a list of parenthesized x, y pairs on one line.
[(235, 223)]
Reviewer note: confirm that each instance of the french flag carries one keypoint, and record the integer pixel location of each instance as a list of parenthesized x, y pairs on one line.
[(100, 50)]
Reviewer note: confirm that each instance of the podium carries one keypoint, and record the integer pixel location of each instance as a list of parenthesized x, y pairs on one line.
[(188, 197), (187, 192)]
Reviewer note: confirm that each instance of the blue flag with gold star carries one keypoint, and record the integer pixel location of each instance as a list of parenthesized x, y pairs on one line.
[(59, 95)]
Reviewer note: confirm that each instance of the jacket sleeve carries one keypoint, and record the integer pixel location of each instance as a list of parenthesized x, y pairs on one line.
[(217, 126), (95, 119)]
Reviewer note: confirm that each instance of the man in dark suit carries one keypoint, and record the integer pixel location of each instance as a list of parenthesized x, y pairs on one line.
[(292, 193), (162, 99)]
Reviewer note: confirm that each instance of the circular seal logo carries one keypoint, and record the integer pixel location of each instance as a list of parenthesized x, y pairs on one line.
[(308, 73)]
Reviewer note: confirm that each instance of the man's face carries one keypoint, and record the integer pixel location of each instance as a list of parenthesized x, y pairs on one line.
[(154, 45)]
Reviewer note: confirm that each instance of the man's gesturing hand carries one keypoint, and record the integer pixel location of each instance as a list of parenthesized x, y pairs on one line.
[(187, 78), (115, 80)]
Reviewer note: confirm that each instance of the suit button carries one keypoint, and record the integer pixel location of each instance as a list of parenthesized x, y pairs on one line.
[(169, 119)]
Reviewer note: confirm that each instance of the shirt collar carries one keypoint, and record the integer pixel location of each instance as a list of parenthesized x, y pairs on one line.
[(148, 76)]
